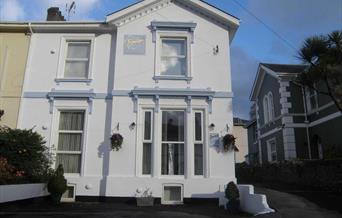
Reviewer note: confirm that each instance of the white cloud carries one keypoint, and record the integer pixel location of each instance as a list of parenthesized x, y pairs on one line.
[(10, 10)]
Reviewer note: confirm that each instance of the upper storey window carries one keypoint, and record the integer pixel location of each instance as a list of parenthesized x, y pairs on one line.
[(77, 59), (173, 50), (311, 99), (174, 57)]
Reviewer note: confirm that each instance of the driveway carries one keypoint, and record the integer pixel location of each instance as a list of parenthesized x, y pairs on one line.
[(293, 206)]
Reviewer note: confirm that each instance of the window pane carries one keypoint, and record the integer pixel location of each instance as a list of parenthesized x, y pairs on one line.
[(76, 69), (147, 149), (71, 120), (172, 47), (147, 126), (172, 159), (69, 141), (173, 66), (273, 146), (198, 126), (78, 50), (172, 193), (173, 126), (71, 162), (198, 159)]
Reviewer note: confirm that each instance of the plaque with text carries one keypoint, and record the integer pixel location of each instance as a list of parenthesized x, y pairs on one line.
[(134, 44)]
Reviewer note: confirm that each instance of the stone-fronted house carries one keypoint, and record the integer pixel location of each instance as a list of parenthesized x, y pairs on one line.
[(150, 72), (290, 121)]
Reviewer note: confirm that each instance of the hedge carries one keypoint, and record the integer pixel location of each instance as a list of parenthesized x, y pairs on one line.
[(308, 174)]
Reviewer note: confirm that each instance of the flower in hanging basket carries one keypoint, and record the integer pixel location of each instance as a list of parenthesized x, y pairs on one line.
[(116, 141), (228, 142)]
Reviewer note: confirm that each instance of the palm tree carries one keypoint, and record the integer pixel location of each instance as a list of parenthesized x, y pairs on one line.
[(323, 55)]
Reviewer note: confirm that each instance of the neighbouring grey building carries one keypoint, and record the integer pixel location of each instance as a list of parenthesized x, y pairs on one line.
[(289, 121)]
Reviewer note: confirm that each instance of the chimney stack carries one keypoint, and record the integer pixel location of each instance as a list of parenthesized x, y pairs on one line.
[(54, 14)]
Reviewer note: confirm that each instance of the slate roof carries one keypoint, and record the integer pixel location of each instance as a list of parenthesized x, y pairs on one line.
[(285, 68)]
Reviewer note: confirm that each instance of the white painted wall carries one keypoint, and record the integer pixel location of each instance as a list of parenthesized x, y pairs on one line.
[(111, 173), (208, 70), (21, 192)]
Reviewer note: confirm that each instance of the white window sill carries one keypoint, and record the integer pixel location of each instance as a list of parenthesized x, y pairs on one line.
[(73, 80), (185, 78)]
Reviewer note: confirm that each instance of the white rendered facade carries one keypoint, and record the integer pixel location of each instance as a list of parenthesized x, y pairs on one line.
[(121, 85)]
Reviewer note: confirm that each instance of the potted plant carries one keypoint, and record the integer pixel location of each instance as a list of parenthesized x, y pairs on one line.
[(144, 197), (57, 185), (233, 197), (228, 142), (116, 141)]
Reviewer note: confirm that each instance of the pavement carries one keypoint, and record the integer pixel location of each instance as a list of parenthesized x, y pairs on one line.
[(286, 206)]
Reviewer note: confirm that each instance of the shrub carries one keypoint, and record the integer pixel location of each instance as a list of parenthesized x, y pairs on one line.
[(25, 150), (233, 196), (232, 191), (57, 184), (304, 174), (6, 171)]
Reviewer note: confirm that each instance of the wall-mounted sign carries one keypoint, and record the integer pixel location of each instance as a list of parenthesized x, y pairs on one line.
[(134, 44), (214, 140)]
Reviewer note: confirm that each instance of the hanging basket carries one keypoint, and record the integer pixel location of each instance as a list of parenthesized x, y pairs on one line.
[(228, 142), (116, 141)]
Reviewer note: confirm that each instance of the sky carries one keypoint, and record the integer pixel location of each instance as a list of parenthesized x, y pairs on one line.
[(292, 20)]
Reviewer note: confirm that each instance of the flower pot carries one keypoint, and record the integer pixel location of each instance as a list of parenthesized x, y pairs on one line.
[(233, 206), (56, 198), (145, 202)]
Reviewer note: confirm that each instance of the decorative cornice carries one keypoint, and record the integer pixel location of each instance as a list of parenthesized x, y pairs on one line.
[(189, 26), (173, 92), (71, 94), (141, 13)]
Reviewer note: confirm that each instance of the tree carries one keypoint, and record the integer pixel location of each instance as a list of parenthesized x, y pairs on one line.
[(323, 55)]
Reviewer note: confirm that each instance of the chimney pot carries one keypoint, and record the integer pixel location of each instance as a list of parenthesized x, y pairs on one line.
[(54, 14)]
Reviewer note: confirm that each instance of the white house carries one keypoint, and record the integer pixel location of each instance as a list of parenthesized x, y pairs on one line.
[(157, 72)]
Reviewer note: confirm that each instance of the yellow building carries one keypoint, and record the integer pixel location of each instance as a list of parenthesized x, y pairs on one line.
[(14, 46)]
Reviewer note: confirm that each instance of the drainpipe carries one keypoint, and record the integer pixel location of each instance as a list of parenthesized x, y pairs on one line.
[(306, 121), (30, 28)]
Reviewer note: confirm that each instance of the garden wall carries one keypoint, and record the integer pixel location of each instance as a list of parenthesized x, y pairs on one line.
[(309, 174), (23, 191)]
